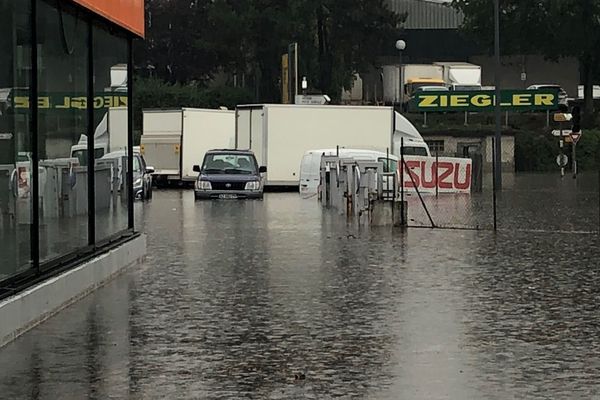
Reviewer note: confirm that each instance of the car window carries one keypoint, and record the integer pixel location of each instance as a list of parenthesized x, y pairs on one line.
[(219, 163), (389, 165), (136, 164)]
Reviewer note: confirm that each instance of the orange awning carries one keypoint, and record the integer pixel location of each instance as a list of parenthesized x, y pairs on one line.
[(127, 13)]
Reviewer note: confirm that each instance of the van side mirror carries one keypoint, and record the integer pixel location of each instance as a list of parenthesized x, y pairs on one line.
[(196, 168), (150, 170), (262, 170)]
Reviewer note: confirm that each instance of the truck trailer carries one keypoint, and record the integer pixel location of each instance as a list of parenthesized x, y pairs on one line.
[(173, 141), (414, 76), (461, 76), (280, 135)]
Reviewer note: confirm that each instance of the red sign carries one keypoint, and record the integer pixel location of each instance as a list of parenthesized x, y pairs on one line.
[(449, 175), (127, 13), (575, 137)]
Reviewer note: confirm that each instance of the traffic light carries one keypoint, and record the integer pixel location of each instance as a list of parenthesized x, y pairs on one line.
[(576, 113)]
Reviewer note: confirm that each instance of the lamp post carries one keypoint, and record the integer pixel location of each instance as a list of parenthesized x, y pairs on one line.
[(498, 111), (401, 46)]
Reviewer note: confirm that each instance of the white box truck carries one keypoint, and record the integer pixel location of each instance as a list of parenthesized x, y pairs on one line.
[(110, 135), (280, 135), (173, 141), (414, 76), (461, 76)]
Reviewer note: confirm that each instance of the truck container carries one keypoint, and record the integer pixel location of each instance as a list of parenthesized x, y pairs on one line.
[(280, 135), (173, 141), (461, 75), (414, 76), (110, 136)]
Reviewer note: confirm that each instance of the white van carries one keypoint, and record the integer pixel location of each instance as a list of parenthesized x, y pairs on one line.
[(310, 166)]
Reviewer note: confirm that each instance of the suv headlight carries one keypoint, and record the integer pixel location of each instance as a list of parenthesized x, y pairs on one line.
[(254, 185), (203, 185)]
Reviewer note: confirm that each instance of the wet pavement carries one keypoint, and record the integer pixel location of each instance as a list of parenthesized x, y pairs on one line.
[(279, 300)]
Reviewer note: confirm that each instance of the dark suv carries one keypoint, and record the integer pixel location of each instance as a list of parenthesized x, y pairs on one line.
[(229, 174)]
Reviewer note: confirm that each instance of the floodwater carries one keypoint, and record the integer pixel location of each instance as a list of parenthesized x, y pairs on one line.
[(281, 300)]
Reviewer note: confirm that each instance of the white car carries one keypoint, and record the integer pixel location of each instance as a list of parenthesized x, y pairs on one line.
[(562, 94)]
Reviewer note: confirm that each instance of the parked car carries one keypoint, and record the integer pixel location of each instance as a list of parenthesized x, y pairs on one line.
[(562, 93), (229, 174), (142, 173)]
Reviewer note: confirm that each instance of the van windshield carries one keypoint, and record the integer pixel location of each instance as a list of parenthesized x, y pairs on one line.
[(220, 163), (415, 151)]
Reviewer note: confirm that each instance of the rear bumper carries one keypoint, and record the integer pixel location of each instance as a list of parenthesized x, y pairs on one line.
[(217, 194)]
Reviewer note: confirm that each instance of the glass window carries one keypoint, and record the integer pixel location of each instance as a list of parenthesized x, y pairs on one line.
[(63, 80), (220, 163), (15, 138), (111, 131), (435, 146)]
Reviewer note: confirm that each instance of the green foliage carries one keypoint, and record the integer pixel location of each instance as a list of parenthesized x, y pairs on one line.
[(553, 28), (535, 152), (157, 94), (192, 40)]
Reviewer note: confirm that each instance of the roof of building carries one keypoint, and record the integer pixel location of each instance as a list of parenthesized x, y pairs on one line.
[(428, 14)]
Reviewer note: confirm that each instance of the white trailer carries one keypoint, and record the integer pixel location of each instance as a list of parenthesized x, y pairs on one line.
[(461, 75), (413, 75), (280, 135), (110, 136), (173, 141)]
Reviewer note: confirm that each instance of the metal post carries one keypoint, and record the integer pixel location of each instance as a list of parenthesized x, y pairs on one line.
[(35, 153), (574, 160), (437, 173), (560, 145), (402, 180), (425, 120), (498, 135), (91, 159), (494, 183), (130, 127), (401, 74), (547, 118), (466, 118)]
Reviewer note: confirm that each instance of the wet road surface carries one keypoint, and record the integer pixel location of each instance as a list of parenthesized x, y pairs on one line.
[(279, 300)]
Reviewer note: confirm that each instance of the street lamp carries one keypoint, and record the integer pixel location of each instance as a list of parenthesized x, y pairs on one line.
[(401, 46)]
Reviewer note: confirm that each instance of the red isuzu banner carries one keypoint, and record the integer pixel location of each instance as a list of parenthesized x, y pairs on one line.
[(453, 174), (127, 13)]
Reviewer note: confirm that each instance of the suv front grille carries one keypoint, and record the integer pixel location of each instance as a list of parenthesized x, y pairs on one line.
[(228, 185)]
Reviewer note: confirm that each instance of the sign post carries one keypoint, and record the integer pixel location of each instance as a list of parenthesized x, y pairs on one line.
[(575, 136)]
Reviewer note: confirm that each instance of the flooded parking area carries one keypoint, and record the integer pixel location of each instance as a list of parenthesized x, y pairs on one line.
[(279, 299)]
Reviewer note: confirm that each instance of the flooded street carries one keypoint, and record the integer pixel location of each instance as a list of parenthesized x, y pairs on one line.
[(281, 300)]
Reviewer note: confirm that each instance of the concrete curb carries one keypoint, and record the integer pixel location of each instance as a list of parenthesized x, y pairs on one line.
[(24, 311)]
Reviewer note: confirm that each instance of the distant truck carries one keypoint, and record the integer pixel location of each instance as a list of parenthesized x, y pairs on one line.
[(110, 136), (173, 141), (280, 135), (461, 76), (414, 76)]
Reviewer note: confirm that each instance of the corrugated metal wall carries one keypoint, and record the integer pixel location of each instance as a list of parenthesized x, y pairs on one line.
[(427, 14)]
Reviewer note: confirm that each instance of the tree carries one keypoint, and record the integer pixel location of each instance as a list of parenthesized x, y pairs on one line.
[(553, 28), (193, 40)]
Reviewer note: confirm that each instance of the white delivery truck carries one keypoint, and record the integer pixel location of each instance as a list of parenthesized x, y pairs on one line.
[(280, 135), (414, 76), (110, 136), (173, 141), (461, 76)]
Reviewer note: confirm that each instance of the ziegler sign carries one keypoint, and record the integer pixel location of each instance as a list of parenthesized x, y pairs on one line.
[(449, 175), (521, 100), (64, 103)]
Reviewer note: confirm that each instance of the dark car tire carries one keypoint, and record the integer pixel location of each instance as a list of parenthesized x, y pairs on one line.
[(149, 192)]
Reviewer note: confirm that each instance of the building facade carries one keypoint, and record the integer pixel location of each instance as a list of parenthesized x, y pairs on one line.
[(65, 180)]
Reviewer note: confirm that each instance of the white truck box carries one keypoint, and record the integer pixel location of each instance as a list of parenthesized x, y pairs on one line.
[(173, 141), (391, 78), (280, 135), (459, 75)]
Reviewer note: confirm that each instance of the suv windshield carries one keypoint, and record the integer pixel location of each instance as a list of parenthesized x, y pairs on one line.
[(219, 163)]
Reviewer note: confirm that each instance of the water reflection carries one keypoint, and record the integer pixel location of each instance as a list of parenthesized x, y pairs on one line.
[(282, 300)]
